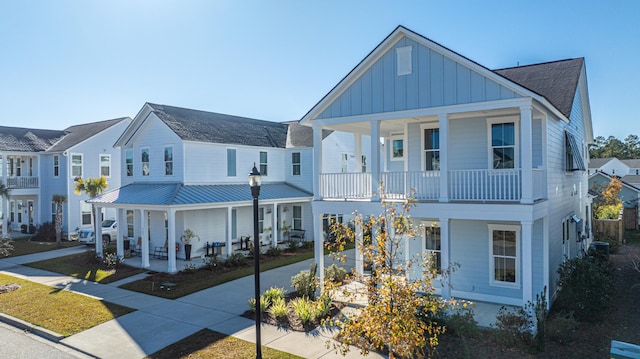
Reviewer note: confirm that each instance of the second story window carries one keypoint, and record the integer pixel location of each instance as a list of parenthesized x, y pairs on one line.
[(144, 159), (18, 167), (56, 166), (432, 149), (295, 163), (105, 165), (503, 145), (231, 162), (76, 165), (168, 161), (364, 163), (263, 163), (128, 159), (10, 167)]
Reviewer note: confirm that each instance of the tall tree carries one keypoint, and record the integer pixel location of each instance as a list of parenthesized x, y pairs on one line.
[(58, 199), (92, 187), (6, 245), (632, 147)]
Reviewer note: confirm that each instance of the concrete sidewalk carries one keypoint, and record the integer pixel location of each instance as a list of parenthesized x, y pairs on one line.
[(159, 322)]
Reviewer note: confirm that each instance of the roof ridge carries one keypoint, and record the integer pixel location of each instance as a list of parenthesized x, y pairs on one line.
[(538, 64)]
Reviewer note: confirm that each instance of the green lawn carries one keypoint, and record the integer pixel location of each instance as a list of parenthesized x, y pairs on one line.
[(209, 344), (22, 246), (83, 266), (61, 311)]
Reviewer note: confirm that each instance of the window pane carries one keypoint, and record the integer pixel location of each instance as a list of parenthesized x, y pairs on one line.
[(432, 160), (498, 243), (508, 134), (510, 243), (231, 162), (432, 139), (398, 148), (496, 135)]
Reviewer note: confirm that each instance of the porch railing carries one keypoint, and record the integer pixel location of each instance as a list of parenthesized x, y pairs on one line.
[(397, 185), (22, 182), (485, 185), (345, 185)]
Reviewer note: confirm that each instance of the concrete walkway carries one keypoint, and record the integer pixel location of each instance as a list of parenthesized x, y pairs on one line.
[(159, 322)]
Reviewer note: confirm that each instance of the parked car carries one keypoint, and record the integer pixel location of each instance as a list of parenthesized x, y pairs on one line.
[(109, 230)]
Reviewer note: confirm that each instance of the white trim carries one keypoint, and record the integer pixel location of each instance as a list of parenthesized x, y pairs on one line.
[(428, 126), (108, 155), (431, 224), (487, 298), (142, 149), (133, 161), (516, 142), (55, 157), (397, 137), (164, 161), (505, 227), (71, 164)]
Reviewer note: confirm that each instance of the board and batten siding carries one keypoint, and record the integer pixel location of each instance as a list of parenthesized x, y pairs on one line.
[(435, 80)]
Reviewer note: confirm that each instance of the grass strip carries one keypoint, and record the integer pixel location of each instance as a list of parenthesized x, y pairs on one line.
[(209, 344), (22, 246), (61, 311)]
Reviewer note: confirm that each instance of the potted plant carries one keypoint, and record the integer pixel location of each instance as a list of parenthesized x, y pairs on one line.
[(186, 238), (285, 230)]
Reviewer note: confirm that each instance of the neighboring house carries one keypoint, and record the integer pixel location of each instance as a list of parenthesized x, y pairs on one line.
[(496, 157), (188, 169), (627, 170), (36, 164), (629, 195)]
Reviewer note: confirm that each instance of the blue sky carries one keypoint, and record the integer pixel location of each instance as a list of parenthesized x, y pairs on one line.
[(69, 62)]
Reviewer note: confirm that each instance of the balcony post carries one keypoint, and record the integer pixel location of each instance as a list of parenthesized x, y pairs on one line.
[(444, 155), (526, 144), (375, 160), (317, 162), (527, 264), (357, 147), (444, 254)]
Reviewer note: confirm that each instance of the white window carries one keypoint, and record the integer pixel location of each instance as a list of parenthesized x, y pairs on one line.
[(76, 165), (30, 166), (168, 161), (504, 246), (130, 223), (231, 162), (364, 164), (144, 159), (297, 217), (56, 166), (397, 147), (260, 220), (403, 56), (432, 245), (295, 164), (345, 162), (263, 163), (105, 165), (503, 145), (128, 155), (431, 146), (85, 212), (19, 167)]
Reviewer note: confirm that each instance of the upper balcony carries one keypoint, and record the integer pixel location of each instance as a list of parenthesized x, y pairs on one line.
[(22, 182)]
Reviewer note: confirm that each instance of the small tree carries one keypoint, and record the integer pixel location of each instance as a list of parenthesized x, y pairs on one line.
[(397, 287), (92, 187), (58, 199), (607, 205)]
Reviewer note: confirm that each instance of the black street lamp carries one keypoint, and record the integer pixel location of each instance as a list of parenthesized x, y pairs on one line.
[(254, 182)]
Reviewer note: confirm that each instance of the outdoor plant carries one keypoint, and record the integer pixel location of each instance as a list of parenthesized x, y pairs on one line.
[(188, 236), (513, 326), (585, 288), (235, 260), (6, 247), (273, 251), (292, 246), (46, 232), (274, 293), (211, 263), (305, 282), (190, 268), (304, 309), (264, 304), (112, 260), (278, 308), (562, 329), (335, 274)]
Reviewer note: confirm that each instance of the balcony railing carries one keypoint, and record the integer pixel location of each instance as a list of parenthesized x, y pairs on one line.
[(464, 185), (22, 182)]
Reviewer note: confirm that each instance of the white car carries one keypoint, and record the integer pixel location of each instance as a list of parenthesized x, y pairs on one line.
[(109, 230)]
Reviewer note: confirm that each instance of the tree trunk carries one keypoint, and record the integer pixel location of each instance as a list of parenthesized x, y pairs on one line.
[(58, 224)]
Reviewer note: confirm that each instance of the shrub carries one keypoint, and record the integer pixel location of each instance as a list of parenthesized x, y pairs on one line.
[(460, 320), (112, 260), (562, 329), (335, 274), (614, 245), (292, 246), (264, 304), (6, 247), (585, 288), (46, 232), (609, 211), (211, 263), (274, 293), (305, 282), (307, 244), (273, 251), (278, 308), (322, 306), (513, 326), (303, 308), (190, 268), (236, 260)]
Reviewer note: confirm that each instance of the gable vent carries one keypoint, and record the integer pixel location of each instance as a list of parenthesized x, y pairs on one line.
[(403, 56)]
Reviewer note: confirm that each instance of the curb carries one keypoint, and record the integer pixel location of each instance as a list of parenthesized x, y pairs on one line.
[(39, 331)]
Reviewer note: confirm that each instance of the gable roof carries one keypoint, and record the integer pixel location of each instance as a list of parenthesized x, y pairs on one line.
[(27, 139), (202, 126), (302, 136), (599, 162), (557, 81), (78, 133), (632, 163)]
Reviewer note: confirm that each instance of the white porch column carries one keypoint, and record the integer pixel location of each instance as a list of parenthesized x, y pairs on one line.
[(545, 257), (526, 145), (98, 229), (171, 241), (359, 262), (443, 124), (357, 146), (317, 162), (375, 160), (119, 236), (4, 201), (318, 246), (228, 244), (275, 233), (144, 234), (445, 254), (527, 262)]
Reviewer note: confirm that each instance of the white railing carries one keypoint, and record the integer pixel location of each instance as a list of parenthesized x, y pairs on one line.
[(485, 185), (22, 182), (345, 185), (425, 185)]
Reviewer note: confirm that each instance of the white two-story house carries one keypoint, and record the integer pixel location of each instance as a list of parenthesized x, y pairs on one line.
[(188, 169), (496, 159), (37, 164)]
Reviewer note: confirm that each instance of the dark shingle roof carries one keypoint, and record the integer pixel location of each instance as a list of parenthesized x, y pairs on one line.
[(201, 126), (557, 81), (599, 162), (302, 136), (27, 139), (78, 133), (632, 163)]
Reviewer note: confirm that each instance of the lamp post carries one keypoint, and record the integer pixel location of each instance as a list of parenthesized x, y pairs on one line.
[(254, 182)]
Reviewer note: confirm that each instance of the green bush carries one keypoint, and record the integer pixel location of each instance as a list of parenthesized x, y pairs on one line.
[(513, 326), (460, 320), (236, 260), (562, 329), (335, 274), (303, 307), (46, 233), (278, 308), (273, 251), (274, 293), (305, 282), (211, 263), (608, 211), (292, 246), (586, 286), (112, 260), (264, 304)]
